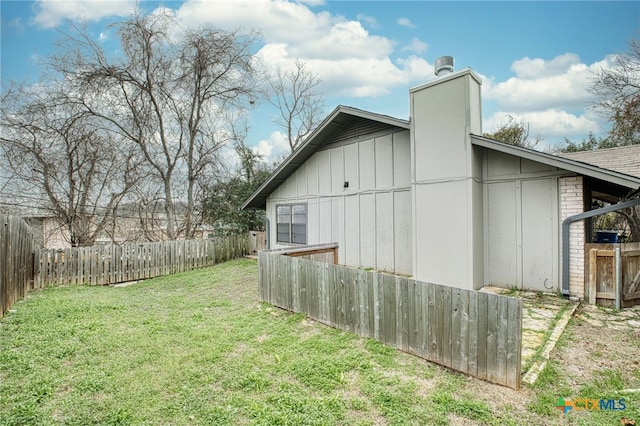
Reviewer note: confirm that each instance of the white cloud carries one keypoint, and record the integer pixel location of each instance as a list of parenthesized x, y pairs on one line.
[(350, 60), (50, 13), (416, 45), (405, 22), (550, 124), (527, 68), (560, 83), (552, 96), (274, 147), (369, 20), (312, 2), (103, 36)]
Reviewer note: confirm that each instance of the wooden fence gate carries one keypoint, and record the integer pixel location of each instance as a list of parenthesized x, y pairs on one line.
[(601, 273)]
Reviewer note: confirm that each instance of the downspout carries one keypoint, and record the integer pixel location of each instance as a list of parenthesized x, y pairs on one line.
[(565, 235)]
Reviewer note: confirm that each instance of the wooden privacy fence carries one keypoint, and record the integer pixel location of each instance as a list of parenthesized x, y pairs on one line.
[(16, 262), (112, 264), (601, 273), (473, 332)]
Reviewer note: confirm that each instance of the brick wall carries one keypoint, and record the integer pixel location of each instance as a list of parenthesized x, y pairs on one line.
[(571, 203)]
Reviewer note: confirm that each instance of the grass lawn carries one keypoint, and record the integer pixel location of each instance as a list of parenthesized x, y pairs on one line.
[(199, 348)]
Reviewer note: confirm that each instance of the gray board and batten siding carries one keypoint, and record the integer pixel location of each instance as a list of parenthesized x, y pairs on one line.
[(357, 191), (477, 333)]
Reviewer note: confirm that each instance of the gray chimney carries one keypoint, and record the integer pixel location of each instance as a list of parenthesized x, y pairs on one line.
[(444, 65)]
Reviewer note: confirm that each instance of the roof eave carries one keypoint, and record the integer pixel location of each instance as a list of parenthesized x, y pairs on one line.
[(257, 200), (579, 167)]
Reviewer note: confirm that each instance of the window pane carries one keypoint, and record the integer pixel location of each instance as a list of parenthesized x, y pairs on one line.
[(299, 214), (283, 233), (299, 233), (284, 214)]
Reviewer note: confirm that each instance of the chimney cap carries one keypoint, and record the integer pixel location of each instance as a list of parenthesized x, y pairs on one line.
[(443, 65)]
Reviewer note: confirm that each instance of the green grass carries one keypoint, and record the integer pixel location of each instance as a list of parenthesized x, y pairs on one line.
[(199, 348)]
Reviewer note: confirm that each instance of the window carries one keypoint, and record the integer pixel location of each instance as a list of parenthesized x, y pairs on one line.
[(291, 223)]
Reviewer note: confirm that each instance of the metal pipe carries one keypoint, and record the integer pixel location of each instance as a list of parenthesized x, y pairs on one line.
[(565, 235), (618, 276)]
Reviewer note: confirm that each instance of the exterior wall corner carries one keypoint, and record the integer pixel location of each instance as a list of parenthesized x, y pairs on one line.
[(571, 191)]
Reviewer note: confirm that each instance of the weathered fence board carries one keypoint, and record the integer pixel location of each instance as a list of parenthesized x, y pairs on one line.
[(477, 333), (600, 273), (16, 263), (112, 264)]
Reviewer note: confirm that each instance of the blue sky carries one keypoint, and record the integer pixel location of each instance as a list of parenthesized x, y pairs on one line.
[(536, 58)]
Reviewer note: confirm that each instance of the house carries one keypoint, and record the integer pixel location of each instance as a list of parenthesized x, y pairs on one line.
[(47, 230), (431, 198), (132, 222)]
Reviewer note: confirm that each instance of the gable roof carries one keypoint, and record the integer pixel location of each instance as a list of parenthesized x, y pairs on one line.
[(624, 159), (596, 167), (344, 123), (619, 166)]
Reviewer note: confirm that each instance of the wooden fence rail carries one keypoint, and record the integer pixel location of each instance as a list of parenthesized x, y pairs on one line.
[(112, 264), (473, 332), (16, 263)]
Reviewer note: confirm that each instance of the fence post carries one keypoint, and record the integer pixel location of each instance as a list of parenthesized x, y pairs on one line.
[(618, 277)]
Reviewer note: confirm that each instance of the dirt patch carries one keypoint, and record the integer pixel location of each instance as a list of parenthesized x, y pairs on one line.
[(600, 339), (595, 340)]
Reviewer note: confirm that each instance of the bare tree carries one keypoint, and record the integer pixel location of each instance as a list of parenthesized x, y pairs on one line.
[(171, 95), (299, 101), (78, 171), (618, 89)]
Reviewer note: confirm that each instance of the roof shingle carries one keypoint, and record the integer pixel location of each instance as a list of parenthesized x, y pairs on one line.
[(624, 159)]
